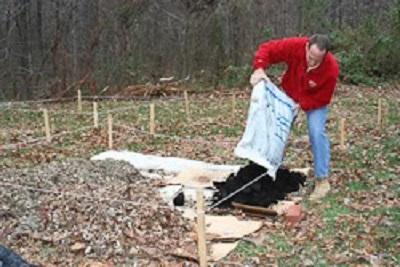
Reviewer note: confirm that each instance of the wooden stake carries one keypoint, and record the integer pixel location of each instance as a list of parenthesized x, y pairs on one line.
[(47, 125), (386, 114), (201, 229), (379, 113), (152, 124), (95, 115), (342, 134), (187, 104), (79, 101), (233, 104), (110, 133)]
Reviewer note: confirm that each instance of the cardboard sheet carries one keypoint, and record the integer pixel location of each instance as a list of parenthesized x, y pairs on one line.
[(229, 227), (221, 250)]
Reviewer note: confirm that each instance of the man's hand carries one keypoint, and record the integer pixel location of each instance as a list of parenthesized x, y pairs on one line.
[(257, 76)]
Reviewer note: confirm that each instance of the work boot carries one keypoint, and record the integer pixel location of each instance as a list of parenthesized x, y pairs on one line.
[(320, 190)]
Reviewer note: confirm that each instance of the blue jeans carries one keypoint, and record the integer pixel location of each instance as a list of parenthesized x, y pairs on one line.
[(319, 141)]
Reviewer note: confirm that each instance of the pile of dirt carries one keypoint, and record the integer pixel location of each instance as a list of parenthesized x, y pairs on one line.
[(149, 90), (264, 192), (107, 212)]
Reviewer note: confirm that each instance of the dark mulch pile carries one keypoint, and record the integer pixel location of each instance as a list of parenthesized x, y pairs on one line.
[(262, 193)]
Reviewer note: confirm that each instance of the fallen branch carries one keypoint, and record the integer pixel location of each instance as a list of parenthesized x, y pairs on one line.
[(254, 209), (183, 255)]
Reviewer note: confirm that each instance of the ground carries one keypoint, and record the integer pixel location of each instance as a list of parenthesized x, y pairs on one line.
[(356, 224)]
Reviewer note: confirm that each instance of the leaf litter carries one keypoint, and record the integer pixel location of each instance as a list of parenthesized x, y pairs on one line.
[(105, 210)]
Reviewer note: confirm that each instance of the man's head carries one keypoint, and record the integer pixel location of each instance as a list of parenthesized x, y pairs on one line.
[(317, 47)]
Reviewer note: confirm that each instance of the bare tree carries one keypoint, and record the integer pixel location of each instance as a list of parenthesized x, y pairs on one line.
[(46, 47)]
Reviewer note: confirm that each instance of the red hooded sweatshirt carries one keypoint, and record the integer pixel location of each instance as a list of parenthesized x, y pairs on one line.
[(311, 90)]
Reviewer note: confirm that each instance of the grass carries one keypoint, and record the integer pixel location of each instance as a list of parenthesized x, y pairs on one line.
[(249, 250), (333, 208), (360, 218), (356, 186), (279, 243)]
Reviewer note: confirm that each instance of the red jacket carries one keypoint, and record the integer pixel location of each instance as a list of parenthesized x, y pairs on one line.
[(296, 80)]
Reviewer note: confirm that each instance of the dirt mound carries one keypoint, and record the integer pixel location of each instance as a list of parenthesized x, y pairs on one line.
[(149, 90), (107, 212), (262, 193)]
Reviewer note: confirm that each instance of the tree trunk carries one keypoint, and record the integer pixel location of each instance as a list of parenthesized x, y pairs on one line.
[(39, 27), (24, 47)]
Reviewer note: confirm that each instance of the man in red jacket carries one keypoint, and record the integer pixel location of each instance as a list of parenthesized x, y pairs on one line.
[(310, 80)]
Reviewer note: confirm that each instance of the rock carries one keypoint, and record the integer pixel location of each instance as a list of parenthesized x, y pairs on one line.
[(133, 251), (77, 246), (308, 262)]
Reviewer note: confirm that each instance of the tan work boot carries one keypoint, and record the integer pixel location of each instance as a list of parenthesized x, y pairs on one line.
[(321, 189)]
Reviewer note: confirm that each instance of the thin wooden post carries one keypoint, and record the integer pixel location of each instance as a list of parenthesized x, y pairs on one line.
[(201, 229), (380, 113), (46, 125), (152, 125), (95, 115), (187, 110), (110, 131), (79, 101), (342, 134), (386, 113), (233, 104)]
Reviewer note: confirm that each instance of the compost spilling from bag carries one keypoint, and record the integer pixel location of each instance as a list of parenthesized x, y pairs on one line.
[(269, 120), (262, 193)]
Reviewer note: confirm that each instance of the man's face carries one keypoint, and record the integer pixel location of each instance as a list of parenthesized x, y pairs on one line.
[(314, 55)]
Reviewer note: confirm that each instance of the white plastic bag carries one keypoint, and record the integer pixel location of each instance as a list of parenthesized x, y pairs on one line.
[(269, 120)]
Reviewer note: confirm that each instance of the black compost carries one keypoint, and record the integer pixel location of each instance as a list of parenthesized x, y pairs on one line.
[(262, 193)]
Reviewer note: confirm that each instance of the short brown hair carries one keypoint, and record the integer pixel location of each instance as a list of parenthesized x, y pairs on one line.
[(321, 41)]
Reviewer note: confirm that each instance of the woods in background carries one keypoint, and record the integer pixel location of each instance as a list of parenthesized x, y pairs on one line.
[(48, 47)]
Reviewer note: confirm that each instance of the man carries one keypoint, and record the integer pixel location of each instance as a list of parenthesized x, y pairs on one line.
[(309, 80)]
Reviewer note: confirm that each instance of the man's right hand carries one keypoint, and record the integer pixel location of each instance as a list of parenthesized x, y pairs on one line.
[(257, 76)]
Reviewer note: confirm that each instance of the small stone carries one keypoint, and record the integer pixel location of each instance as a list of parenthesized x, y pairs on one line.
[(88, 250), (308, 262), (133, 251), (78, 246)]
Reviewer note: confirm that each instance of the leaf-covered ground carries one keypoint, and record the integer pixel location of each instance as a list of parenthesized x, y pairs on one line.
[(77, 211), (358, 223)]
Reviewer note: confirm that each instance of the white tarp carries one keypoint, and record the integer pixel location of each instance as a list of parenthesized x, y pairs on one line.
[(199, 178), (166, 164), (269, 120)]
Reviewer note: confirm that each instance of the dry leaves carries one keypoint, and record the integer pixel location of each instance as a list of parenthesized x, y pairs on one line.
[(107, 211)]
